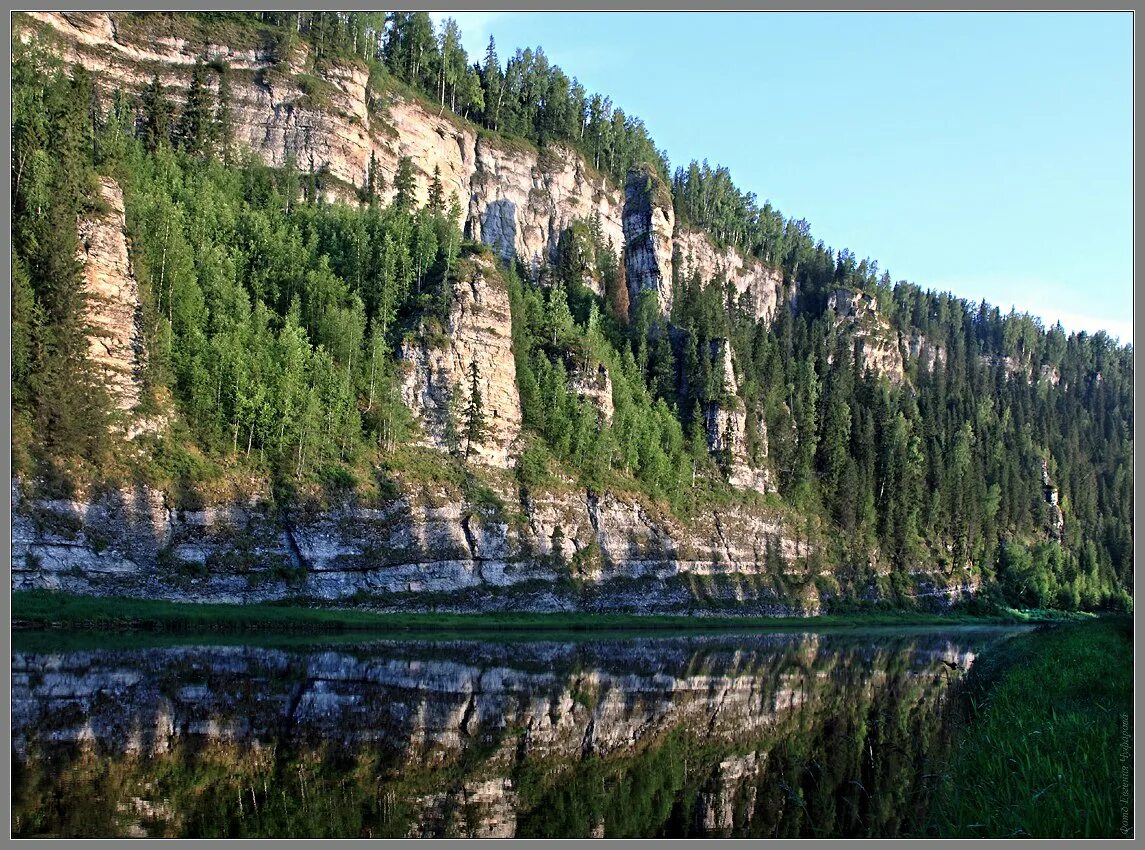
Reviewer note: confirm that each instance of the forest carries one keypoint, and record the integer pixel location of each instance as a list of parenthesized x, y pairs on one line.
[(273, 320)]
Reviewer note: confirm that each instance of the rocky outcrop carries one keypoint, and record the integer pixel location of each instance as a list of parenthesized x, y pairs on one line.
[(649, 222), (428, 547), (857, 313), (725, 422), (927, 353), (1049, 374), (476, 348), (759, 284), (1020, 367), (522, 201), (729, 798), (510, 195), (112, 311), (321, 124), (1050, 491), (479, 809), (433, 546), (594, 385)]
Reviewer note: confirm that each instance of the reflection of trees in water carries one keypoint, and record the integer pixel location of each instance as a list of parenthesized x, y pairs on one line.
[(771, 735)]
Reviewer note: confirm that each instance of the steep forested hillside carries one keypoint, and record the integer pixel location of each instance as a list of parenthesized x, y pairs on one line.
[(896, 425)]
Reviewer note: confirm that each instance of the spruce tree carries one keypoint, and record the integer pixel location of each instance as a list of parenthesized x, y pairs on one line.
[(224, 119), (475, 426), (404, 186), (436, 201), (196, 123), (157, 116)]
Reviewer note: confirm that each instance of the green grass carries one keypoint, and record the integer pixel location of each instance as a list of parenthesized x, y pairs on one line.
[(48, 609), (1043, 752)]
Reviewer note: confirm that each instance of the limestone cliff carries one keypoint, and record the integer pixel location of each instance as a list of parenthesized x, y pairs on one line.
[(115, 338), (511, 196), (1053, 508), (649, 221), (695, 254), (858, 314), (439, 368), (725, 422), (594, 385), (927, 353), (112, 311), (428, 546), (432, 545), (522, 201)]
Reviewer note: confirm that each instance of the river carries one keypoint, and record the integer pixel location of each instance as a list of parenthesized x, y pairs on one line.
[(793, 734)]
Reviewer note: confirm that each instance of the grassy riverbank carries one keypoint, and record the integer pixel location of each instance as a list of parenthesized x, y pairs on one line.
[(1047, 747), (46, 609)]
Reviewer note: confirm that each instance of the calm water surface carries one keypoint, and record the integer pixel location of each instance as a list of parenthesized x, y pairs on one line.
[(740, 735)]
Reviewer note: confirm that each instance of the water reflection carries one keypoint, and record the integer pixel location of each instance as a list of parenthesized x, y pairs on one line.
[(768, 735)]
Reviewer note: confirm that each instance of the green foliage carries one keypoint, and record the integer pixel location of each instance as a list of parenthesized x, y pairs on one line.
[(644, 440), (1044, 752), (53, 181), (50, 608)]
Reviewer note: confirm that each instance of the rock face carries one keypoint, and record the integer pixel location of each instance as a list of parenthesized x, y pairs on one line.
[(730, 795), (515, 199), (649, 221), (595, 387), (858, 314), (522, 201), (927, 353), (1049, 374), (439, 378), (1057, 518), (428, 548), (112, 314), (725, 422), (696, 255), (112, 310), (512, 197)]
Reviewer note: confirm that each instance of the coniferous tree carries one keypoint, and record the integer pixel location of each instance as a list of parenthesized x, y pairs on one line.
[(404, 186), (157, 115), (197, 121), (436, 201), (224, 118), (475, 426)]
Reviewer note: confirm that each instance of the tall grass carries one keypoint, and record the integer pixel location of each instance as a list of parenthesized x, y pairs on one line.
[(1047, 739), (49, 609)]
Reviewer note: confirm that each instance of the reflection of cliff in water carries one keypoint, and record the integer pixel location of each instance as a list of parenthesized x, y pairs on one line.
[(767, 735)]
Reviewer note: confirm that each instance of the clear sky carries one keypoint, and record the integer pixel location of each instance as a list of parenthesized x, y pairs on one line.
[(987, 154)]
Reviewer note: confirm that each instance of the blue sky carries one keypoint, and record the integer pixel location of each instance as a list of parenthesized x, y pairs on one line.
[(987, 154)]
